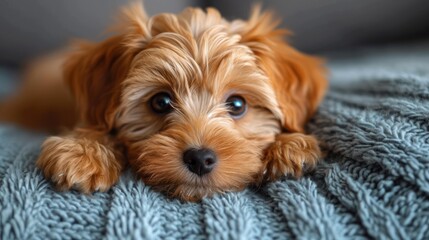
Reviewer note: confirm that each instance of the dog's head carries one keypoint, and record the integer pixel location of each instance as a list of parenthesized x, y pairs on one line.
[(195, 99)]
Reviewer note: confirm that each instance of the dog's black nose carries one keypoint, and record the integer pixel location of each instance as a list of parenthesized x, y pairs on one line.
[(200, 161)]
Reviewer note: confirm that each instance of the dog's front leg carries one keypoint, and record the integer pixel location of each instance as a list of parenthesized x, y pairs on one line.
[(289, 155), (83, 159)]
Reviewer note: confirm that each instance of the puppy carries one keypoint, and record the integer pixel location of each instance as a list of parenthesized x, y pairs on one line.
[(195, 104)]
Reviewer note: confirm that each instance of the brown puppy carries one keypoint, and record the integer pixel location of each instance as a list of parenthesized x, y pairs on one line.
[(195, 104)]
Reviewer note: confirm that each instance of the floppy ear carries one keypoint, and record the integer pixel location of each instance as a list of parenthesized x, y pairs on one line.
[(95, 72), (298, 80)]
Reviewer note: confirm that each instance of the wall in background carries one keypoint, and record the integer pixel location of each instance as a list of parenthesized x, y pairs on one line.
[(321, 25), (30, 28)]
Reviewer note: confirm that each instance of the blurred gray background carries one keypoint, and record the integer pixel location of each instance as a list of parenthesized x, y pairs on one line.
[(30, 28)]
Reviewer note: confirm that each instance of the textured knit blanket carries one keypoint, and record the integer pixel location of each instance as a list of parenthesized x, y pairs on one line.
[(373, 183)]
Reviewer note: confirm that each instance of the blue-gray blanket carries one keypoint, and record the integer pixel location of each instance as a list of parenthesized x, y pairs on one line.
[(374, 182)]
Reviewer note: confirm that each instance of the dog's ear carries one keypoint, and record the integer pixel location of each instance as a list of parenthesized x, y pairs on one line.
[(298, 80), (94, 73)]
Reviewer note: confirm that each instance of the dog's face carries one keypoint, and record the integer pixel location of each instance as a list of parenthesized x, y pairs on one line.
[(197, 112), (195, 99)]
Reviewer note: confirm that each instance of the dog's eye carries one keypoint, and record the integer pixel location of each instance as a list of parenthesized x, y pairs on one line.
[(237, 106), (161, 103)]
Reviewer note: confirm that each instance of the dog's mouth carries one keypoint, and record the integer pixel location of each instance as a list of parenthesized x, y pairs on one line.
[(191, 186), (195, 172), (193, 192)]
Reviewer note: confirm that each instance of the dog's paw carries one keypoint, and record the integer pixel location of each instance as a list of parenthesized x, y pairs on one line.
[(81, 164), (290, 154)]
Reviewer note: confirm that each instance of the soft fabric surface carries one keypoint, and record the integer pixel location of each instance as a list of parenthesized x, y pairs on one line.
[(374, 183)]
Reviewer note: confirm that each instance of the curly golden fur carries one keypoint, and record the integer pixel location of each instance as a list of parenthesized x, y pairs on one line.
[(200, 60)]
